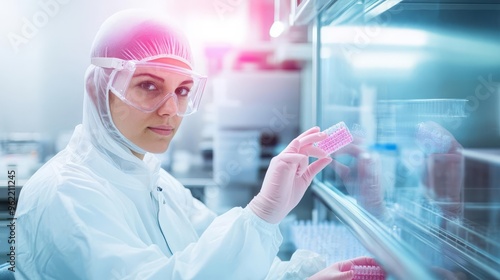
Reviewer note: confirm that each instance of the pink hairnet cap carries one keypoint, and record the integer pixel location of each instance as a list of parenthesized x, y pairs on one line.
[(141, 35)]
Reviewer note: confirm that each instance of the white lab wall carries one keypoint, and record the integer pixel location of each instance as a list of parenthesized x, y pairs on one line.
[(45, 46)]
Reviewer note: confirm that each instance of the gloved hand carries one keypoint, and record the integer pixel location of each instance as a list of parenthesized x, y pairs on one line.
[(288, 177), (370, 192), (362, 177), (444, 182), (342, 270), (443, 177)]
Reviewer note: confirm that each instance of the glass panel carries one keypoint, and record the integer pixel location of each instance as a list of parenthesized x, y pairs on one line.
[(418, 85)]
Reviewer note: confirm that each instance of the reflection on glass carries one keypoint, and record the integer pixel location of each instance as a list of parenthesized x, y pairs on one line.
[(444, 165), (433, 168)]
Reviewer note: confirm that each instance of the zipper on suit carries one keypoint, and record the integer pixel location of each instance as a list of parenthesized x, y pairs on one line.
[(158, 205)]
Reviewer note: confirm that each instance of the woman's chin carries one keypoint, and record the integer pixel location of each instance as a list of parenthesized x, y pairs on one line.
[(157, 149)]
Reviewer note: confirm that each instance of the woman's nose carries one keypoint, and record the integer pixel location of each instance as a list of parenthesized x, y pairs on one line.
[(169, 106)]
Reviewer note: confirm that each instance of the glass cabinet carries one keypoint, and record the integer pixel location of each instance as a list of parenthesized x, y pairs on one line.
[(418, 85)]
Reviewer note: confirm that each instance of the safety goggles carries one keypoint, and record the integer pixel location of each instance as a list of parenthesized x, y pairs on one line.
[(148, 85)]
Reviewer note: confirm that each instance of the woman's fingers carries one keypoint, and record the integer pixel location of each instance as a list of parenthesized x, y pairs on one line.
[(313, 151), (363, 261), (347, 265), (311, 138), (304, 143), (303, 168), (315, 167), (307, 132)]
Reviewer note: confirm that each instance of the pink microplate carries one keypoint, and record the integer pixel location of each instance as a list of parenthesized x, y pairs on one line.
[(338, 137), (368, 272)]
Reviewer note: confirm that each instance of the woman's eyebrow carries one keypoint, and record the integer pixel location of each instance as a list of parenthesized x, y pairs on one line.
[(150, 75), (187, 82)]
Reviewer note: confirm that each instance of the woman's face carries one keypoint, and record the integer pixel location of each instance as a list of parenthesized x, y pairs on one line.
[(150, 131)]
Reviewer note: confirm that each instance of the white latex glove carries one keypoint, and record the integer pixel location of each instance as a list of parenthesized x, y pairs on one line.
[(342, 270), (288, 177)]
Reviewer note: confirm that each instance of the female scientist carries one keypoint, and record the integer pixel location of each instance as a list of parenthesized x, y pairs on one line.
[(104, 209)]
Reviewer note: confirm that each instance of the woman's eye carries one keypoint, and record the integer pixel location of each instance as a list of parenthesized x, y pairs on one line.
[(182, 91), (148, 86)]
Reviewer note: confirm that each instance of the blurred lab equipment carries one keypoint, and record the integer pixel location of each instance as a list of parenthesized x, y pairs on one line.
[(331, 239), (256, 115), (26, 152)]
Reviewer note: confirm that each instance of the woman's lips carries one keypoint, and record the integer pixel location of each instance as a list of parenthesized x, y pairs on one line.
[(162, 130)]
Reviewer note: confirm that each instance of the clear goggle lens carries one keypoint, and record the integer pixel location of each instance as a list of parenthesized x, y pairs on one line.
[(148, 85)]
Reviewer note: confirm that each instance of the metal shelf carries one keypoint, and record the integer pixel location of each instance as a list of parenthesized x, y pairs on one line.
[(450, 5), (343, 11), (307, 11)]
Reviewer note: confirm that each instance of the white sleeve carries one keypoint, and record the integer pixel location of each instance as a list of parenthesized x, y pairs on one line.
[(91, 239)]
